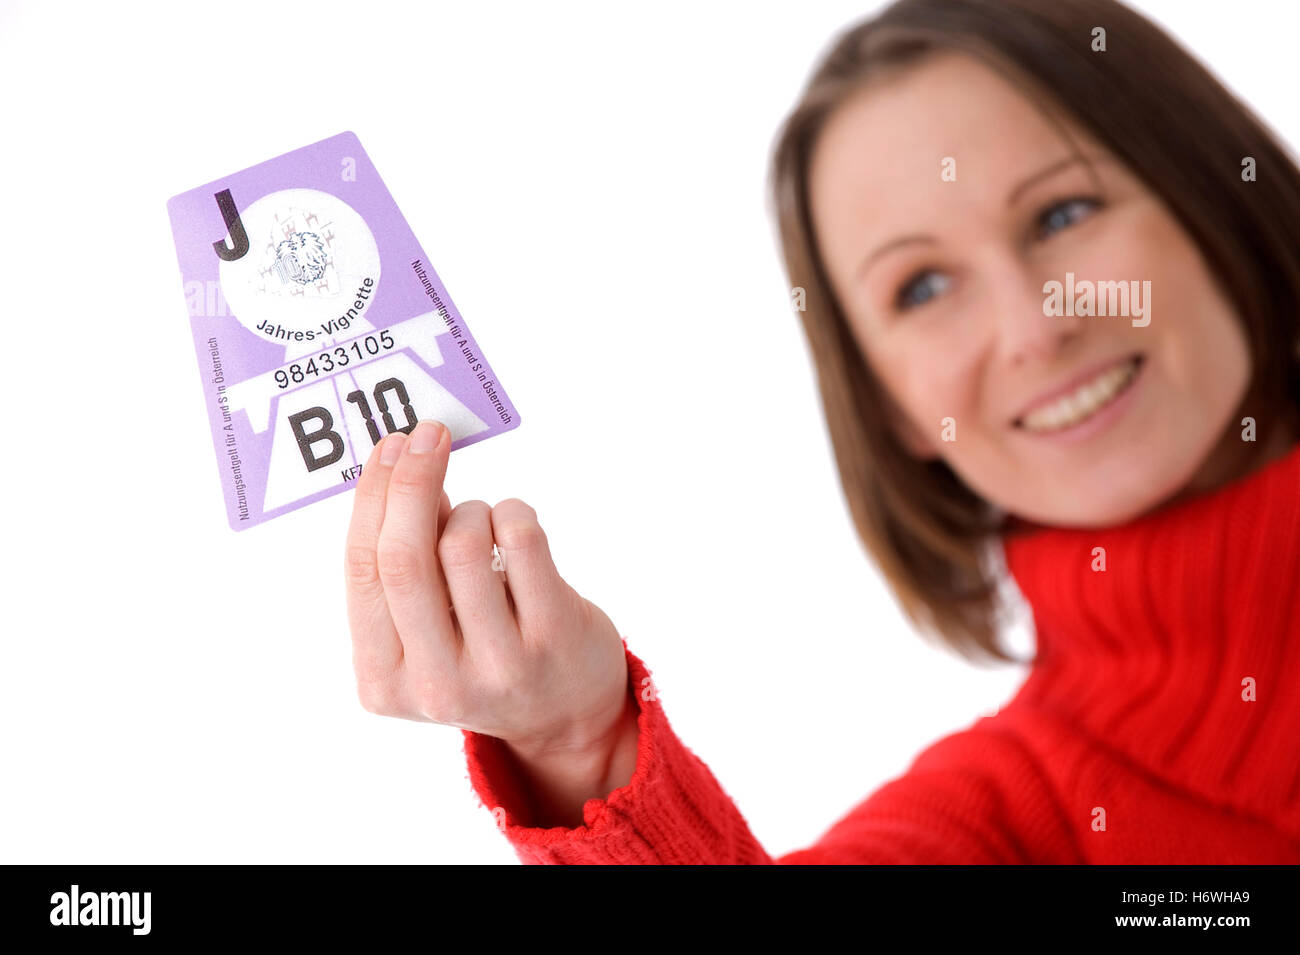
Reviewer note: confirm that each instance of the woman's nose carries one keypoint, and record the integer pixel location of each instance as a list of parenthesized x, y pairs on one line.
[(1025, 331)]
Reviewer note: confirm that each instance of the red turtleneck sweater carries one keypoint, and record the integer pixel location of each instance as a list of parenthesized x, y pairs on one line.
[(1134, 738)]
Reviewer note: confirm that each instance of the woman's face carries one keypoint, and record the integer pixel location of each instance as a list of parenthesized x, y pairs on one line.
[(942, 280)]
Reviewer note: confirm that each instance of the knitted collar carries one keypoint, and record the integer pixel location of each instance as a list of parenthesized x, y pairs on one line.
[(1150, 657)]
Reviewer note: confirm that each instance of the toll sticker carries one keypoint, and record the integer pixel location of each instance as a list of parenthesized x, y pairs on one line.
[(320, 327)]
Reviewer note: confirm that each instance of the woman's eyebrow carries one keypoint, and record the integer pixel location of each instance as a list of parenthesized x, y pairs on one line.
[(1051, 170), (889, 246)]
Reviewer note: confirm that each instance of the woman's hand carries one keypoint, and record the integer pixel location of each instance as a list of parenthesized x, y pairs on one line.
[(523, 657)]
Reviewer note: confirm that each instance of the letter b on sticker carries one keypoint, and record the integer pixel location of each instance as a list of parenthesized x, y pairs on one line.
[(306, 439)]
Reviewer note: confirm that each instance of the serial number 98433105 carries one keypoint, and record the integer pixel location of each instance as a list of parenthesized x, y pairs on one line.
[(327, 361)]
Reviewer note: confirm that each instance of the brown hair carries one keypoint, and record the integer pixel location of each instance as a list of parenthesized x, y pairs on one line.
[(1177, 128)]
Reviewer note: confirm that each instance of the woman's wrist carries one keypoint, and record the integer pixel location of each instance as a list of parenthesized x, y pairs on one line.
[(561, 780)]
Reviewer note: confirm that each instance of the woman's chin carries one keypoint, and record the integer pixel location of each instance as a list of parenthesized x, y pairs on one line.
[(1111, 495)]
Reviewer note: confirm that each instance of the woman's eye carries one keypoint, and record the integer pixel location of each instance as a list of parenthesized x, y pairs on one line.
[(1065, 213), (920, 289)]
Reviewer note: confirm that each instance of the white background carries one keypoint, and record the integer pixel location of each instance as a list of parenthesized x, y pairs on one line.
[(588, 180)]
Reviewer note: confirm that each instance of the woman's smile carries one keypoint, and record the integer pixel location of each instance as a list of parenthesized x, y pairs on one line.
[(1089, 404)]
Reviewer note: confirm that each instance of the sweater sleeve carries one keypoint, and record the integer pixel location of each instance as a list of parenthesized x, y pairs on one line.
[(948, 808)]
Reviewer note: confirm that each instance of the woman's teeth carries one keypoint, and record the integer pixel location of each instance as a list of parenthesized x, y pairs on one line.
[(1084, 402)]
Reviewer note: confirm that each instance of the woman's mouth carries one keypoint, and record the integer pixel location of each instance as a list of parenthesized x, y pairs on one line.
[(1084, 402)]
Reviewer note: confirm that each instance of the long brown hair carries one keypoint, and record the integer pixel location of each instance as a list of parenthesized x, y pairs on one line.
[(1176, 127)]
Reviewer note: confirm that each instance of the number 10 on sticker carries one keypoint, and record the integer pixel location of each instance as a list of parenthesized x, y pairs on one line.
[(325, 421)]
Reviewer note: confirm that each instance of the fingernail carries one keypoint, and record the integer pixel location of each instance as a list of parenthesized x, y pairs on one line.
[(426, 437), (392, 448)]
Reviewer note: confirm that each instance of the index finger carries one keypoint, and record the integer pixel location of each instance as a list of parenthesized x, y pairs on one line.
[(376, 648), (413, 581)]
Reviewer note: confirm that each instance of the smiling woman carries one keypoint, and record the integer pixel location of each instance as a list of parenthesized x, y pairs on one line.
[(925, 290), (946, 163), (998, 233)]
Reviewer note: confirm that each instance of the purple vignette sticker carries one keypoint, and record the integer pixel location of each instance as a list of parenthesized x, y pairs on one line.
[(320, 327)]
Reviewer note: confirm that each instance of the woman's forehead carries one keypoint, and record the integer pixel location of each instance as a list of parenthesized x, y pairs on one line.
[(947, 104), (884, 150)]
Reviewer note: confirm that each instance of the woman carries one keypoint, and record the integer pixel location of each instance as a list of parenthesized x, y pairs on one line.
[(1052, 280)]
